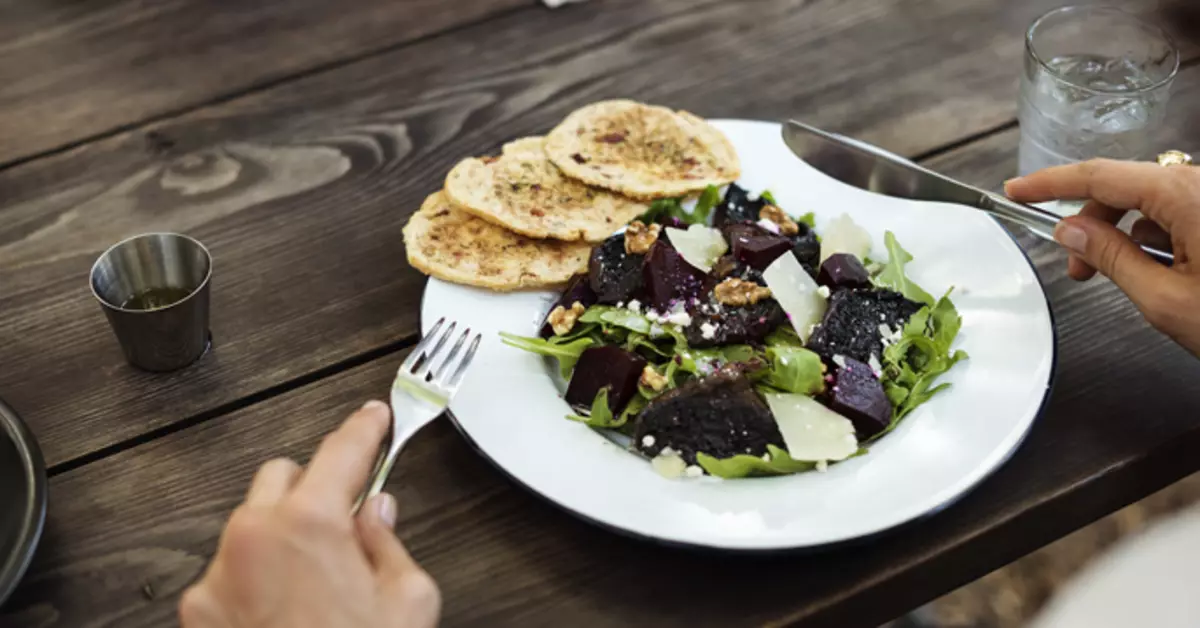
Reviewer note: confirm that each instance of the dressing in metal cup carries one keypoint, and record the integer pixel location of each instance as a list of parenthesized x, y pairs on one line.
[(154, 288)]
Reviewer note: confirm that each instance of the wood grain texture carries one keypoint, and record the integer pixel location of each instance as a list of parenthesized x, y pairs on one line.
[(74, 69), (148, 518), (301, 190)]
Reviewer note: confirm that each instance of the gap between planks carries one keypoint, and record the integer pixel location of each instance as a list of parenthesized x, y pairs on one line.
[(252, 89), (379, 352), (241, 403)]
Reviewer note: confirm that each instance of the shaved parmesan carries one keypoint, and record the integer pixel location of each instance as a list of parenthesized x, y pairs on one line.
[(811, 431), (699, 246), (796, 293), (843, 235)]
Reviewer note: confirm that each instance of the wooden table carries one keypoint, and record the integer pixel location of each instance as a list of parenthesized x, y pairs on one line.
[(296, 138)]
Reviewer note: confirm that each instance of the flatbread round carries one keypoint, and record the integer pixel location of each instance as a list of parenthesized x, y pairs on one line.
[(523, 192), (641, 150), (450, 244)]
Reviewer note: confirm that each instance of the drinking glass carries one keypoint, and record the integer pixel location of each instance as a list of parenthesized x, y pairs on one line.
[(1095, 84)]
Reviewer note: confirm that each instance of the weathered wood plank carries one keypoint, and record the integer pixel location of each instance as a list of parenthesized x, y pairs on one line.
[(72, 70), (1115, 430), (301, 190)]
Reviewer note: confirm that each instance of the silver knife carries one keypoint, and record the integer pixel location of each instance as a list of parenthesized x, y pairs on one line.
[(873, 169)]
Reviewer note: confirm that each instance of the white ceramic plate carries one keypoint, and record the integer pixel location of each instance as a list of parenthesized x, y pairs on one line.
[(511, 408)]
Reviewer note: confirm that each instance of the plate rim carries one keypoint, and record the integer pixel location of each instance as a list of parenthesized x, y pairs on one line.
[(14, 566), (825, 545)]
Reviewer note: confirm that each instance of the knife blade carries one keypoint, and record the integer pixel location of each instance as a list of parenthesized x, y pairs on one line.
[(876, 170)]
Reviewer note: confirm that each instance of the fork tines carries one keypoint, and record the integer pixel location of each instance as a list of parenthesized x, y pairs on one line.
[(448, 373)]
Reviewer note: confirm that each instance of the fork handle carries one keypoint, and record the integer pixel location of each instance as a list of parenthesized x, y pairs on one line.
[(383, 467)]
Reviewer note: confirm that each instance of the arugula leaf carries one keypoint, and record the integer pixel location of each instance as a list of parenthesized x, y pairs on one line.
[(708, 200), (892, 276), (617, 317), (768, 197), (700, 361), (795, 370), (922, 354), (784, 336), (601, 415), (745, 465), (666, 208), (810, 219), (567, 353)]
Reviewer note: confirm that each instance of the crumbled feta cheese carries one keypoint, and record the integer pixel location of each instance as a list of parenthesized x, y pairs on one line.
[(634, 306), (648, 441), (767, 457), (822, 466), (873, 362), (620, 304), (655, 330), (681, 318), (823, 291), (653, 317), (708, 331), (840, 361), (692, 471), (768, 225), (890, 336)]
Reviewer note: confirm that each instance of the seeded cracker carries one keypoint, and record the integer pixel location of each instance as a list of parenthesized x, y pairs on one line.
[(450, 244), (523, 192), (641, 150)]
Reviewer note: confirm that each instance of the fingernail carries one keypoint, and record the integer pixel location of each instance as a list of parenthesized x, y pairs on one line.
[(1010, 182), (375, 405), (1071, 237), (385, 509)]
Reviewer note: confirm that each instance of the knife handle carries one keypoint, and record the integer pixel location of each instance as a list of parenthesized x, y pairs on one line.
[(1043, 222)]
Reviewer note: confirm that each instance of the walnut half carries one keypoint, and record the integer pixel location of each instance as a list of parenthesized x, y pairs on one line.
[(639, 237), (562, 320), (737, 292), (787, 226), (652, 379)]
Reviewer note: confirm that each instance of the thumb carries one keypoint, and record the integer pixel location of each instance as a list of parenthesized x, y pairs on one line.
[(404, 584), (1105, 248)]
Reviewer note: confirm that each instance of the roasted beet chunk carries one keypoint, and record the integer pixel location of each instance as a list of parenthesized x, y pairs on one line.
[(579, 290), (615, 275), (668, 278), (736, 207), (755, 246), (605, 367), (843, 270), (716, 325), (719, 415), (858, 395), (851, 324)]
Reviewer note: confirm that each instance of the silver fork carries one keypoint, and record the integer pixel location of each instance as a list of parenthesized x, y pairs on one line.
[(421, 393)]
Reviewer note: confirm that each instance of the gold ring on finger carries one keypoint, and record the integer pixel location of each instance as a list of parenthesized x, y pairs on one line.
[(1174, 158)]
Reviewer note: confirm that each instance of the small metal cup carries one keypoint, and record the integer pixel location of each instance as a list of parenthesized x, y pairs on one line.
[(154, 290)]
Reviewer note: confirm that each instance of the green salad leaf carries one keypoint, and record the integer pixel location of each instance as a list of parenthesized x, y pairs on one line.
[(810, 219), (617, 317), (704, 206), (795, 370), (567, 353), (892, 276), (745, 465), (601, 416), (784, 336), (922, 353)]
